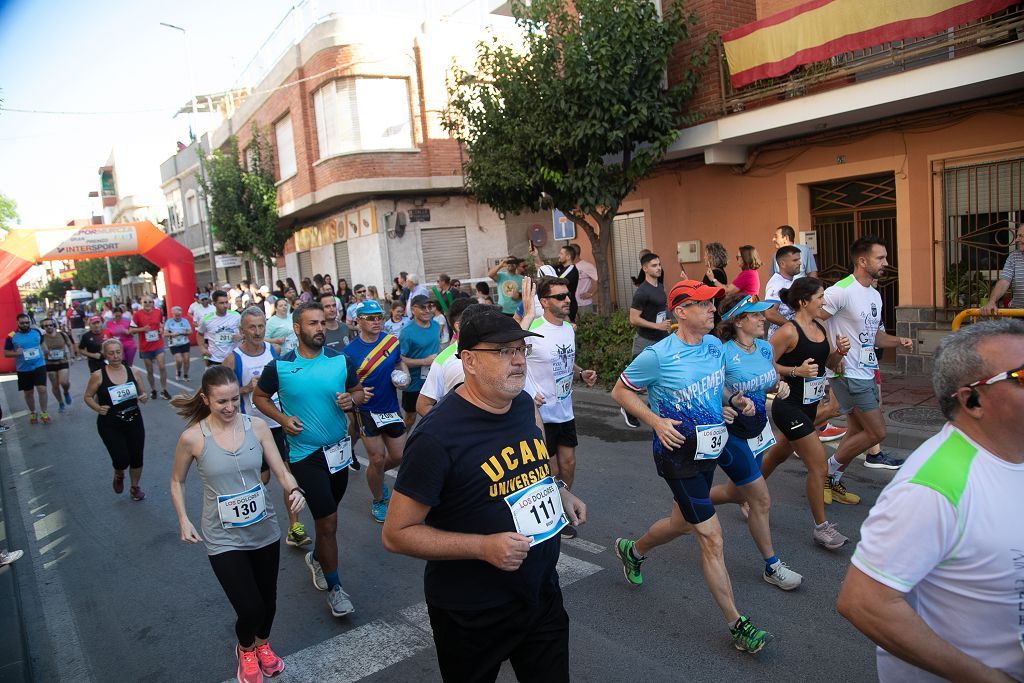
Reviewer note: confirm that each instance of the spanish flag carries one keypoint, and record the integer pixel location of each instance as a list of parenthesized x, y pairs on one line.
[(819, 29)]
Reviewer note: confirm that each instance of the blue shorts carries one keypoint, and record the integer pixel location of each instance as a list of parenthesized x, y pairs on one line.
[(151, 355), (693, 496), (738, 461)]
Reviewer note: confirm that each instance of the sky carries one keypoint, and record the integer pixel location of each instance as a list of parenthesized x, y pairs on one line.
[(113, 59)]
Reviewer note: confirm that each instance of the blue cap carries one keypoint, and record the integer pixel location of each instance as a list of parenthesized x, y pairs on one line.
[(748, 304), (368, 308)]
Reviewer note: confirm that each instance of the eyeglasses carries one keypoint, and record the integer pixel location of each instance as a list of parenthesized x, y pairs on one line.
[(360, 291), (1016, 375), (509, 352), (561, 297), (374, 318), (699, 304)]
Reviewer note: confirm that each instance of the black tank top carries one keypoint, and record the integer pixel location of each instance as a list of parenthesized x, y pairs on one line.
[(125, 406), (805, 348)]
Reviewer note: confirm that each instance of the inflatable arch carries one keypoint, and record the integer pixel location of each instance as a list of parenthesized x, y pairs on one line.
[(23, 247)]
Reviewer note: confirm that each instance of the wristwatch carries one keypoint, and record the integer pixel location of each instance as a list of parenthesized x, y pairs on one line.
[(561, 484)]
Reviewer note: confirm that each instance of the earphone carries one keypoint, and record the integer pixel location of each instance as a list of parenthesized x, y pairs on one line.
[(972, 399)]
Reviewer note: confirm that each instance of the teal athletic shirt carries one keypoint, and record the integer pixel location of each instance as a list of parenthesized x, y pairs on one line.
[(419, 342), (306, 388), (30, 341)]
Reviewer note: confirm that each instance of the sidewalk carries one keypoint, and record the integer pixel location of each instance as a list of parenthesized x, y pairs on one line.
[(14, 664), (912, 413)]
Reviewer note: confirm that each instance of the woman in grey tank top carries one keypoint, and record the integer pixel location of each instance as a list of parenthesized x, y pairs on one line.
[(239, 526)]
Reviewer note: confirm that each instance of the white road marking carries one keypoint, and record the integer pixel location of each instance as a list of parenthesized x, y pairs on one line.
[(372, 647), (585, 546)]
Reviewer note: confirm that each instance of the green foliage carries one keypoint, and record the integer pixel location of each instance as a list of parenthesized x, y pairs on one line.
[(243, 203), (8, 212), (578, 116), (91, 274), (604, 343), (54, 290)]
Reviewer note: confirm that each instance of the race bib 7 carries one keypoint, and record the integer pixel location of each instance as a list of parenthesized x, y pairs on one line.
[(338, 455)]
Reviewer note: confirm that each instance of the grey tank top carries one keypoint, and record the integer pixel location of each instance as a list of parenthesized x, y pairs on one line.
[(234, 478)]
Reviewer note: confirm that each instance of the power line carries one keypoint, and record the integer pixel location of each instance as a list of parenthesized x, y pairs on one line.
[(83, 113)]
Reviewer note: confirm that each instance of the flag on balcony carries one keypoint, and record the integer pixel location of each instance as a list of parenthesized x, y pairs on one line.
[(819, 29)]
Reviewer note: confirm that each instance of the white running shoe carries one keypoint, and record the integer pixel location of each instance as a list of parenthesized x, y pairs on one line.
[(319, 582), (339, 602), (829, 537), (782, 576)]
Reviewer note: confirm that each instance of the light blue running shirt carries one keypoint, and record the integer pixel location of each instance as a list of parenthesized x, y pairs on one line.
[(753, 373)]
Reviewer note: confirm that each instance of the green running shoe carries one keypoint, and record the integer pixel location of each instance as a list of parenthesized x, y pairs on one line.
[(630, 566), (747, 638)]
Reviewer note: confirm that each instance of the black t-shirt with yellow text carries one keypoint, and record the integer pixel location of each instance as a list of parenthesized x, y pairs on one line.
[(462, 462)]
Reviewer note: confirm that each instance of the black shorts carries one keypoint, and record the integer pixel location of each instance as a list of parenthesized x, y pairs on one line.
[(282, 447), (181, 348), (693, 495), (324, 490), (369, 428), (794, 420), (409, 401), (472, 644), (56, 367), (32, 378), (211, 363), (560, 434)]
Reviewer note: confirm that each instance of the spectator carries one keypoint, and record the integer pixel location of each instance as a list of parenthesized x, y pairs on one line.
[(647, 312), (344, 293), (587, 286), (412, 281), (483, 293), (509, 283), (443, 294), (1011, 279), (747, 282), (784, 237), (457, 289), (394, 325)]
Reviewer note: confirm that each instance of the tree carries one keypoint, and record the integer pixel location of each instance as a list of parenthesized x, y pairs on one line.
[(91, 274), (578, 116), (8, 212), (243, 199)]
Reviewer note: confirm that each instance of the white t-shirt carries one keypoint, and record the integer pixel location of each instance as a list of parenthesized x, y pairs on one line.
[(777, 283), (218, 330), (856, 314), (549, 367), (947, 533), (446, 373), (197, 311)]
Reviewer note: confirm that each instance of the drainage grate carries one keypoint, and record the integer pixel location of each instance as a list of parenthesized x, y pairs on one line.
[(918, 417)]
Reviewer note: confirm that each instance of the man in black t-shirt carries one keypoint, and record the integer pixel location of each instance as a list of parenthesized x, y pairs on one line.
[(92, 342), (475, 498), (647, 311)]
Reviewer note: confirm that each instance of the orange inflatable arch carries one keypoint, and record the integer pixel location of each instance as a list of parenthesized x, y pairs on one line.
[(24, 247)]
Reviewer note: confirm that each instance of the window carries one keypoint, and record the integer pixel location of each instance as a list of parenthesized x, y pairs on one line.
[(285, 147), (175, 215), (192, 208), (360, 114)]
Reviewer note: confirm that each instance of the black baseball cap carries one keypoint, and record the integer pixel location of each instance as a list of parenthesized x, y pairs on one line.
[(420, 300), (491, 327)]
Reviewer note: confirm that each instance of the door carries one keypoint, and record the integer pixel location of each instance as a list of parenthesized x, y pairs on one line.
[(846, 210), (629, 237), (342, 264), (444, 251), (305, 266)]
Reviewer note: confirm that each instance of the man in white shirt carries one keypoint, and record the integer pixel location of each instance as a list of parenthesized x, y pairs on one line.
[(415, 289), (551, 366), (218, 331), (853, 309), (937, 578), (199, 308), (784, 236), (787, 260)]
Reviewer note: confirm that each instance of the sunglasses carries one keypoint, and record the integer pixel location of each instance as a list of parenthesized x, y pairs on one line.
[(374, 318), (360, 291), (1016, 375), (561, 297)]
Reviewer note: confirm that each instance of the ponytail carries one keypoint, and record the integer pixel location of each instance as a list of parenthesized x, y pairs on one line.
[(802, 289), (192, 408)]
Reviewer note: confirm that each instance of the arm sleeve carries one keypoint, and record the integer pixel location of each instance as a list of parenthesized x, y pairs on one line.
[(351, 373), (910, 530), (643, 371), (835, 300), (425, 466), (268, 382)]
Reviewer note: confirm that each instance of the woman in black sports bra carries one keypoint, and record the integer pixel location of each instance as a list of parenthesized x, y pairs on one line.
[(802, 351)]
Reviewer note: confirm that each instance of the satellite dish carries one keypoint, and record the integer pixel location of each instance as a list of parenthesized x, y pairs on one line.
[(400, 223)]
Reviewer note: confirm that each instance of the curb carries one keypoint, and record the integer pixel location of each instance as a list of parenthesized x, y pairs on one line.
[(15, 664)]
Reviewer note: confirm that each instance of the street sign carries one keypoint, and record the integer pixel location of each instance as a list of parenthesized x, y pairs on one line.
[(228, 261), (562, 228)]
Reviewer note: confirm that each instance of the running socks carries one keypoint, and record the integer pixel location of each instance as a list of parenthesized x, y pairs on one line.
[(768, 562), (833, 468), (634, 554), (332, 579)]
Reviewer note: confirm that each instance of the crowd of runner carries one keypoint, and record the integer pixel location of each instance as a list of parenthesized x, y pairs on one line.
[(472, 402)]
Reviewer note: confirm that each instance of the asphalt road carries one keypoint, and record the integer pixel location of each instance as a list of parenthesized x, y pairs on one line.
[(110, 592)]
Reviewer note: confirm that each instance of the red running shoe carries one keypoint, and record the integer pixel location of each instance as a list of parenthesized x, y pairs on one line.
[(138, 493), (270, 663), (248, 667), (118, 483), (829, 432)]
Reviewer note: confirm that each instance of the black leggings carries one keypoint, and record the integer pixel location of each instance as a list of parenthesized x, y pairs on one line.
[(249, 579), (125, 441)]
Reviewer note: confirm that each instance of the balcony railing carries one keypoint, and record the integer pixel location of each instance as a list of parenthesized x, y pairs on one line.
[(883, 60)]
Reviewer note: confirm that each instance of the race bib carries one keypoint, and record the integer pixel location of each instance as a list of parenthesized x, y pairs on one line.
[(179, 340), (152, 335), (763, 441), (814, 389), (119, 393), (563, 387), (661, 317), (224, 337), (55, 354), (339, 455), (868, 358), (537, 511), (382, 419), (242, 509), (710, 441), (31, 354)]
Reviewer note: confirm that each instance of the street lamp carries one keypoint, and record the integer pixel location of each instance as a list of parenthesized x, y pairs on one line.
[(199, 140)]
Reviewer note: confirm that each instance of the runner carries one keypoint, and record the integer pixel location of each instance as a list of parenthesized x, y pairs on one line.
[(75, 322), (315, 386), (853, 308), (684, 375), (801, 352), (25, 345), (552, 368), (91, 344), (490, 584), (150, 321), (120, 327), (647, 314), (239, 525), (247, 361), (59, 349), (176, 331), (749, 369), (435, 382), (335, 334), (114, 392), (218, 331), (421, 342), (380, 368)]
